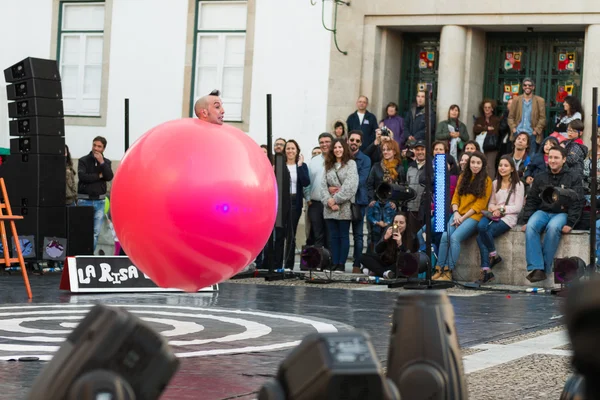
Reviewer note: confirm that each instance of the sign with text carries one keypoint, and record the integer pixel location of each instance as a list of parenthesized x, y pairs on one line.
[(109, 274)]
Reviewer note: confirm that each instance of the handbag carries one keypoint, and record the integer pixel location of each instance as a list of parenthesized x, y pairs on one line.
[(355, 211), (490, 143), (490, 215)]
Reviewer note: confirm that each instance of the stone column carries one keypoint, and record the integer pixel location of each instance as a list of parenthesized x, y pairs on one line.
[(591, 75), (451, 72)]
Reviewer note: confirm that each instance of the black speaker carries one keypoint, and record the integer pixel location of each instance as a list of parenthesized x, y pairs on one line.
[(37, 126), (35, 180), (34, 88), (32, 68), (38, 145), (282, 177), (80, 231), (40, 222), (36, 107)]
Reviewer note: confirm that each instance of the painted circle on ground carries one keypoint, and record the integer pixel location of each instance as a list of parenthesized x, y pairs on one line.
[(39, 330)]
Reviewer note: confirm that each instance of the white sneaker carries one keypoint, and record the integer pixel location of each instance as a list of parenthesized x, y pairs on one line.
[(389, 274)]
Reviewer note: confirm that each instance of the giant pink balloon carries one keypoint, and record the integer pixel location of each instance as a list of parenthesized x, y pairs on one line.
[(193, 203)]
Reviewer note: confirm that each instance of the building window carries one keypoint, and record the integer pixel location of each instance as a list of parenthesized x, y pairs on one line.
[(219, 53), (79, 55)]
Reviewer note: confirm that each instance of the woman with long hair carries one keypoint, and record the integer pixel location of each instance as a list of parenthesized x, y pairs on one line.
[(338, 189), (299, 179), (487, 131), (395, 241), (506, 202), (453, 131), (389, 170), (471, 197), (572, 111), (71, 199)]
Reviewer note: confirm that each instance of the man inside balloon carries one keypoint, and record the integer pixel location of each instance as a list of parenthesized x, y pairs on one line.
[(209, 108)]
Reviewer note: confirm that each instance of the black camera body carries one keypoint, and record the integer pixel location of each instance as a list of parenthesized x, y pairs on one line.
[(558, 199), (385, 131)]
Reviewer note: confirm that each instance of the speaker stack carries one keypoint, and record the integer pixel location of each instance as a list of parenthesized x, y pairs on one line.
[(35, 170)]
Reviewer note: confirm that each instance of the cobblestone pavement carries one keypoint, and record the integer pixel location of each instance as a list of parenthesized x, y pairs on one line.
[(514, 347)]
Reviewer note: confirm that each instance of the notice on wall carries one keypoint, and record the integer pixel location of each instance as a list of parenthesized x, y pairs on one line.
[(109, 274)]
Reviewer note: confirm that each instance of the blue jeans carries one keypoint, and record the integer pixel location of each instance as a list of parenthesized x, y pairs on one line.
[(357, 232), (339, 239), (448, 253), (98, 215), (539, 257), (488, 230)]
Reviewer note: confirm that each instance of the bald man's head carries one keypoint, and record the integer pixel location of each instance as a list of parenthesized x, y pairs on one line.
[(210, 109)]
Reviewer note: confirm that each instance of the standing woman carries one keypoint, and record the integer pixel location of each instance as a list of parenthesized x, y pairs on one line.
[(338, 189), (487, 131), (454, 131), (506, 202), (393, 121), (299, 179), (70, 178), (389, 170), (470, 199)]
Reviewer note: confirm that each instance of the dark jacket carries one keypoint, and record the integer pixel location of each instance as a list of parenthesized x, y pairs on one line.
[(576, 153), (396, 124), (566, 179), (414, 124), (368, 127), (389, 251), (302, 181), (91, 185), (537, 164), (376, 178), (373, 151), (363, 165)]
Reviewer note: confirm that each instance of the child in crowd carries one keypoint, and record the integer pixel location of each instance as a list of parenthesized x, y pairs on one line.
[(576, 150), (379, 216), (539, 161)]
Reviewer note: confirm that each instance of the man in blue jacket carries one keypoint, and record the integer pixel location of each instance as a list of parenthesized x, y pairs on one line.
[(93, 171), (363, 164), (364, 121)]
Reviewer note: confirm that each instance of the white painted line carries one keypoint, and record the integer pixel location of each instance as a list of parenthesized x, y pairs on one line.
[(36, 313), (496, 354)]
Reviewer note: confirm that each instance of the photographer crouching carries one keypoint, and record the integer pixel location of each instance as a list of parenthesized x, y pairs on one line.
[(395, 241), (553, 205)]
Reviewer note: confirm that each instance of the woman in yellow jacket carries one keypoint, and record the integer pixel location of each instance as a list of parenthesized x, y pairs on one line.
[(472, 194)]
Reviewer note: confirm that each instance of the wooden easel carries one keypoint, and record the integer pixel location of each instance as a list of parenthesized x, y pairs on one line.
[(6, 260)]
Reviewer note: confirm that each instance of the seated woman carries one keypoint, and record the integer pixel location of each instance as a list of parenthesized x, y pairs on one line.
[(506, 202), (393, 243), (470, 199), (572, 111)]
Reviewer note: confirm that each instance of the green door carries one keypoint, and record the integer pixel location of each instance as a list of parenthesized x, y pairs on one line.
[(553, 60), (420, 60)]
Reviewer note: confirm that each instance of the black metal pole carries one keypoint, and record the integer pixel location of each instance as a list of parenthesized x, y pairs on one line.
[(428, 183), (593, 177), (126, 124), (428, 283), (269, 129), (269, 259)]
